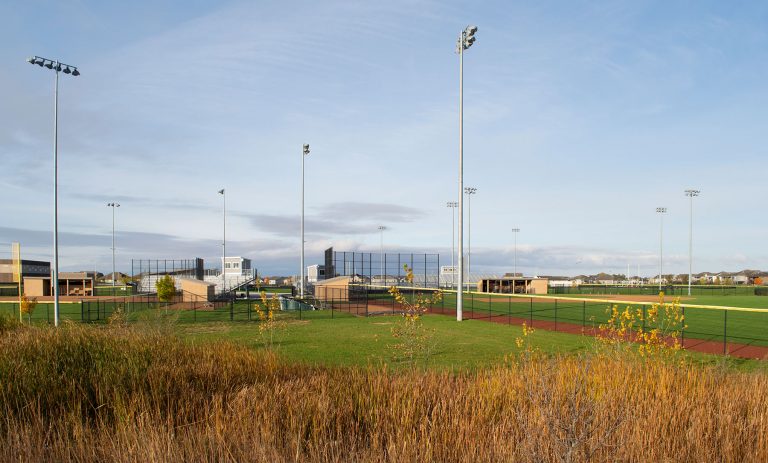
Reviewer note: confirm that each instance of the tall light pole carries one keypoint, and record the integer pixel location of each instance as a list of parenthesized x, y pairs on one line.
[(469, 192), (381, 252), (113, 206), (304, 153), (67, 69), (661, 211), (515, 231), (466, 39), (690, 194), (453, 205), (223, 194)]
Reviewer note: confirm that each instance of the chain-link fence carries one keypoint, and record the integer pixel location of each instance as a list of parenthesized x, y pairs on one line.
[(670, 290), (387, 269), (736, 331)]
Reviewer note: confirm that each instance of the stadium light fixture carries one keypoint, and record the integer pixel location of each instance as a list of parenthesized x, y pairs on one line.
[(55, 276), (466, 39), (690, 193), (113, 206), (661, 211), (453, 205), (304, 153)]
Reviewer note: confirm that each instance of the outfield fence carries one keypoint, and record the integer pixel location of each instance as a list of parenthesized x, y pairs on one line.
[(736, 331), (715, 329), (670, 290)]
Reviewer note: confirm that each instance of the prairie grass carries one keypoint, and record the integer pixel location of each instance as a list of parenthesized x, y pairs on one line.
[(134, 394)]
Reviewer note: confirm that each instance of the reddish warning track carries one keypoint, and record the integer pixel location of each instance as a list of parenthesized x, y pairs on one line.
[(734, 349)]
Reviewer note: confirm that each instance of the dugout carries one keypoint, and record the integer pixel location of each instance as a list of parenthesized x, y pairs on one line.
[(70, 284), (513, 285), (333, 289), (196, 290)]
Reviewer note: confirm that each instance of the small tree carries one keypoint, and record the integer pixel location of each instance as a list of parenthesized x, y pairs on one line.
[(414, 340), (166, 289), (758, 281), (266, 310), (27, 306)]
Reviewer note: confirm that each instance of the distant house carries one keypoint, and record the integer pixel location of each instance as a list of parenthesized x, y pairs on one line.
[(579, 280), (118, 278), (558, 281), (605, 279), (741, 279)]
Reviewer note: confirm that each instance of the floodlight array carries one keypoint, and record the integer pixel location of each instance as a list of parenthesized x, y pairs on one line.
[(55, 65)]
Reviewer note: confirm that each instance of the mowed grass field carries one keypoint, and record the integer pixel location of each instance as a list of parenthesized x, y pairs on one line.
[(339, 339), (748, 301), (347, 340), (708, 324)]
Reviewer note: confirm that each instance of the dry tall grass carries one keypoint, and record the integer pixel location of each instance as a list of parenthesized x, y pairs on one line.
[(122, 394)]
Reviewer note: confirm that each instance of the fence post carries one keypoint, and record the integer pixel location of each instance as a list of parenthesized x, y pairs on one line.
[(555, 314), (725, 332), (231, 310), (489, 307), (472, 304), (583, 314), (531, 320), (644, 310), (82, 311), (300, 309), (509, 310), (682, 329)]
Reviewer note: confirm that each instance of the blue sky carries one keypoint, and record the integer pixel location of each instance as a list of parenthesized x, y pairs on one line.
[(580, 119)]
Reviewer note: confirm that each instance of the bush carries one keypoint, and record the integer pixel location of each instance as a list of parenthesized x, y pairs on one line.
[(8, 323)]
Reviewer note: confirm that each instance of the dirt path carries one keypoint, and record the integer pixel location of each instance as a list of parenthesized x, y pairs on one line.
[(734, 349)]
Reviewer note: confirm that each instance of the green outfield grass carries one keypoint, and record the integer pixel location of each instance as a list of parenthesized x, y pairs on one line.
[(677, 290), (707, 324), (748, 301), (325, 337), (349, 340)]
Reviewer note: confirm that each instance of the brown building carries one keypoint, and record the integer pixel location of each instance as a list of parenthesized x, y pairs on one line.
[(333, 289), (196, 290), (70, 284), (513, 285), (29, 268)]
